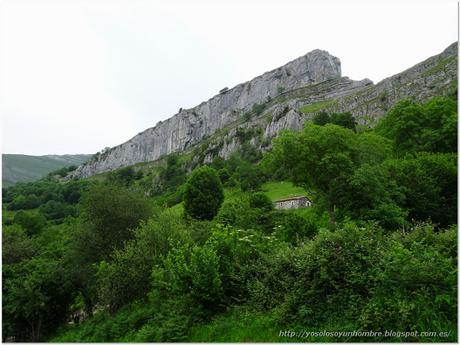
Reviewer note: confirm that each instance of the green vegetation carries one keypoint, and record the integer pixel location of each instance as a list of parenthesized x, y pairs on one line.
[(203, 194), (340, 119), (431, 127), (318, 106), (440, 66), (175, 251)]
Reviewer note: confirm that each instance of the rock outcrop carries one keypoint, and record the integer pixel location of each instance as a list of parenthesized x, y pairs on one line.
[(291, 94)]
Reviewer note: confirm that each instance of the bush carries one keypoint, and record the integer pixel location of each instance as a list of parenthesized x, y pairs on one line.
[(415, 284), (55, 210), (247, 177), (257, 109), (109, 213), (24, 202), (203, 194), (296, 227), (260, 201), (31, 223), (16, 245), (127, 276), (329, 277), (418, 127)]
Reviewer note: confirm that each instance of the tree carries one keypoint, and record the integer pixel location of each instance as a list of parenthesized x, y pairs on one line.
[(31, 223), (24, 202), (320, 157), (261, 201), (173, 175), (321, 118), (57, 210), (204, 194), (418, 127), (429, 181), (247, 176), (128, 275), (16, 245), (373, 148), (371, 194), (36, 295), (345, 120), (109, 213)]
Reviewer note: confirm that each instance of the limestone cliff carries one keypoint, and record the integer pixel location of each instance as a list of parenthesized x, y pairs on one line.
[(290, 94)]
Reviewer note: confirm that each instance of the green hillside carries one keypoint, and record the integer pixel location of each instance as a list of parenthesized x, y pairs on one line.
[(25, 168), (180, 251)]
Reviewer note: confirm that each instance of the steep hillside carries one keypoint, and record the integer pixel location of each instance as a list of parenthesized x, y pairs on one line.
[(286, 97), (25, 168)]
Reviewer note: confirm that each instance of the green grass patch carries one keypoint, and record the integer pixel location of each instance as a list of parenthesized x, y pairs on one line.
[(282, 190), (315, 107)]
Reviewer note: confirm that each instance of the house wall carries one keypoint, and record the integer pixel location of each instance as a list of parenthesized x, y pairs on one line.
[(292, 204)]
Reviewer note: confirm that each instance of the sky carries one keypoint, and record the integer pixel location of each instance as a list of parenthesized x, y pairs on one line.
[(79, 76)]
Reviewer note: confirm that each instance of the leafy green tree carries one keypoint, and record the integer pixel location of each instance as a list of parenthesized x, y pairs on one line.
[(418, 127), (322, 118), (16, 245), (373, 148), (128, 275), (56, 210), (173, 175), (24, 202), (371, 194), (224, 175), (345, 120), (203, 194), (297, 227), (261, 201), (429, 182), (31, 223), (319, 157), (72, 191), (247, 176), (36, 296), (109, 214), (416, 277)]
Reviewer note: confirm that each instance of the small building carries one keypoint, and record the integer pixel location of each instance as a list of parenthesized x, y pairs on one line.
[(292, 203)]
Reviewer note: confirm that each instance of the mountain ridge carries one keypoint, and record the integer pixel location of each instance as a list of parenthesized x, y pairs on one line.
[(307, 80), (26, 168)]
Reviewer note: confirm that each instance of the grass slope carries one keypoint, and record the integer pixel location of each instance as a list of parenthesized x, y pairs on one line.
[(281, 190), (25, 168)]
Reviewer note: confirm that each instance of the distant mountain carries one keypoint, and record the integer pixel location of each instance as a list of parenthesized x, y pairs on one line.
[(25, 168)]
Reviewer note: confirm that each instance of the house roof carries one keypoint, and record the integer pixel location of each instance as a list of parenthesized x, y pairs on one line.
[(294, 198)]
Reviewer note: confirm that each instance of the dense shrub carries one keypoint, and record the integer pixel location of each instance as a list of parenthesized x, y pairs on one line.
[(24, 202), (127, 276), (260, 201), (31, 223), (296, 227), (55, 210), (109, 214), (415, 127), (203, 194)]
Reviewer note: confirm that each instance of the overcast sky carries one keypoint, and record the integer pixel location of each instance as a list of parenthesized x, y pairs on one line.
[(77, 76)]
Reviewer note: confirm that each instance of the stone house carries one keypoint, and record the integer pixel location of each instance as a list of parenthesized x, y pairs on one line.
[(292, 203)]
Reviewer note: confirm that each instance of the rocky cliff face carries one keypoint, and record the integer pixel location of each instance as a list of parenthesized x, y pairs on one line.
[(291, 94), (189, 127)]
